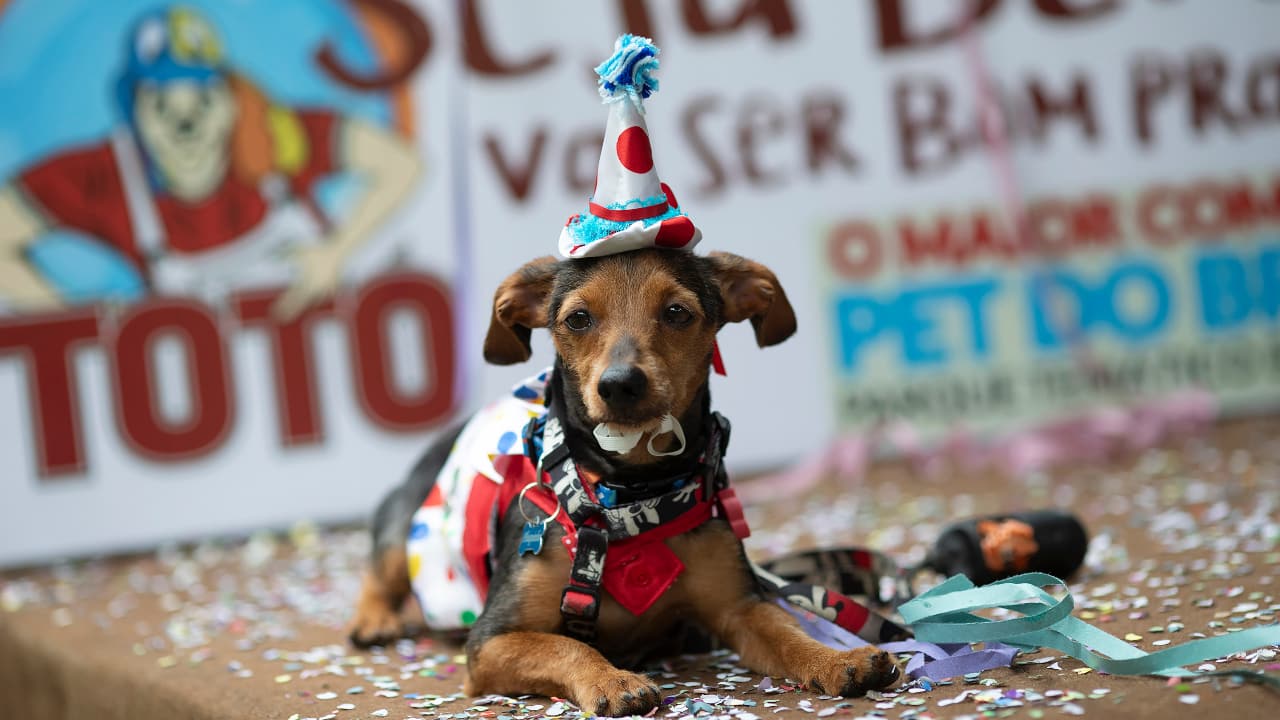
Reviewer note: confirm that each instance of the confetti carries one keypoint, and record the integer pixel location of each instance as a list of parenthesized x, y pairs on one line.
[(1185, 559)]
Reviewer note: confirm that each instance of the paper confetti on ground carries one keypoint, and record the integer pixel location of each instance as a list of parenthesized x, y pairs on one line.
[(1184, 545)]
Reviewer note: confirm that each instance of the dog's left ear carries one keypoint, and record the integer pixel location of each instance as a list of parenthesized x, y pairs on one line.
[(751, 290), (519, 305)]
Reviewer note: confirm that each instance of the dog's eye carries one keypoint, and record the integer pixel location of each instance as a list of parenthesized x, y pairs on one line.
[(677, 315), (578, 320)]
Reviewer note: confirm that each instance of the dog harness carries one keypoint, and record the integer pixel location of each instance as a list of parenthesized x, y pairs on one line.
[(615, 543), (513, 452)]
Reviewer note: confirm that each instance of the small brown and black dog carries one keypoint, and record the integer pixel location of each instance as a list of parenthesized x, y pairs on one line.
[(634, 335)]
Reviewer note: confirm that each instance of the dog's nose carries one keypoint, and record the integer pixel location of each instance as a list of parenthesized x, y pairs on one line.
[(622, 385), (186, 125)]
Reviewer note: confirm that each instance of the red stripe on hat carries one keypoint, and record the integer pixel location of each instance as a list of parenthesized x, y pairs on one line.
[(628, 215)]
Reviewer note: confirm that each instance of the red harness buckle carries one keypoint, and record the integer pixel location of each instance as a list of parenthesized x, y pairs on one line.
[(580, 602), (579, 607)]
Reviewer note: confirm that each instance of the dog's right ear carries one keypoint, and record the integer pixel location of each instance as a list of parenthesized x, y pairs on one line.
[(519, 305)]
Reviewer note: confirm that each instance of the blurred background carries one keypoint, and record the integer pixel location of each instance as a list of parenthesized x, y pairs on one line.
[(248, 247)]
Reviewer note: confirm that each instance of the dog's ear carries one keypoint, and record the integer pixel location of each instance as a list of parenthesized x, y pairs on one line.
[(519, 305), (751, 290)]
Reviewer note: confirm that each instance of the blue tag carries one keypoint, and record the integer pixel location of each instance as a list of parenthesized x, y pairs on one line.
[(607, 497), (531, 538)]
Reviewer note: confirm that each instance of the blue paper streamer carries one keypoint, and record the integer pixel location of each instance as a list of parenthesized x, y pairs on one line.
[(944, 614)]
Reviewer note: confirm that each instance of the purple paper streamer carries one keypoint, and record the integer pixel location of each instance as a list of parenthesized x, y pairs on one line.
[(822, 629), (936, 662), (949, 660)]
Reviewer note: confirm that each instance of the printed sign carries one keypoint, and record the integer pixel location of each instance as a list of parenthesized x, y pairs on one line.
[(943, 320), (1113, 239), (226, 263), (842, 144)]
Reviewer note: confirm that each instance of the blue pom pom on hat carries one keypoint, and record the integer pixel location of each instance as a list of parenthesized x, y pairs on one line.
[(630, 208)]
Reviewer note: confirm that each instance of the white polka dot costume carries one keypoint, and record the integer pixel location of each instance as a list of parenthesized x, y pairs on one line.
[(446, 559), (630, 208)]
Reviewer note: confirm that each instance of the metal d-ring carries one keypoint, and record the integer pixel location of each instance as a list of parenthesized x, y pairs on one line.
[(520, 504)]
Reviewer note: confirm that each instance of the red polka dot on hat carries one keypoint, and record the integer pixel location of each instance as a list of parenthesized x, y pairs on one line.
[(634, 151), (674, 233)]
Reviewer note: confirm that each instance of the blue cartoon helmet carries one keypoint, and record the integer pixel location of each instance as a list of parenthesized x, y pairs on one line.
[(177, 43)]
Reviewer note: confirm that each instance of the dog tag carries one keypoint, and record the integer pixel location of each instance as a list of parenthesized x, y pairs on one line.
[(531, 538)]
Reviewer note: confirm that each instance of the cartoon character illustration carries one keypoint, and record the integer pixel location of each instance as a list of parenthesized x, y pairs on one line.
[(207, 186), (646, 511)]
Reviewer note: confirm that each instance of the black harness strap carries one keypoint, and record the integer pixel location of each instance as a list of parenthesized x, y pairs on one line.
[(580, 601)]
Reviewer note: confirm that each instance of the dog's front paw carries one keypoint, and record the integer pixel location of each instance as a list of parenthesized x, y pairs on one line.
[(854, 672), (618, 693)]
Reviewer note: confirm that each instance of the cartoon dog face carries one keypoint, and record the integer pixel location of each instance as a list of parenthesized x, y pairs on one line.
[(185, 127)]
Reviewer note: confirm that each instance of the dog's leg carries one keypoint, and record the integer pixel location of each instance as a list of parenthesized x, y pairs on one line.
[(727, 603), (386, 583), (513, 647), (386, 586), (770, 641), (554, 665)]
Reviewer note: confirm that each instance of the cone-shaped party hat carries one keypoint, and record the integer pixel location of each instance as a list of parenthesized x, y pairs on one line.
[(630, 208)]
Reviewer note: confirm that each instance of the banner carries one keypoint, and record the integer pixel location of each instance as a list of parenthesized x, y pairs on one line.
[(851, 148), (248, 250), (226, 266), (951, 320)]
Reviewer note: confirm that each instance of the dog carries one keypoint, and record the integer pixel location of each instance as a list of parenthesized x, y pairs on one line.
[(634, 335)]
